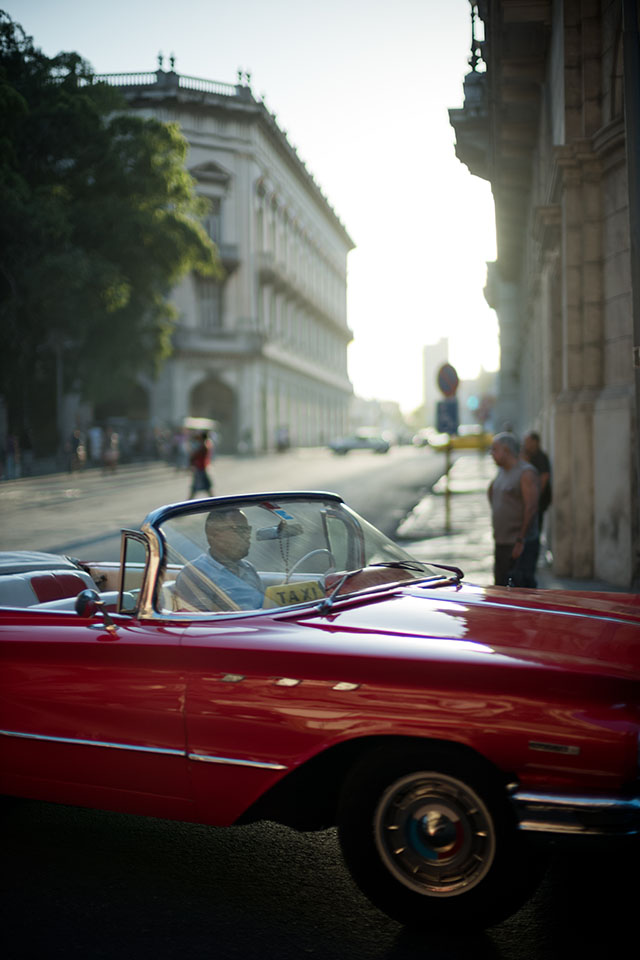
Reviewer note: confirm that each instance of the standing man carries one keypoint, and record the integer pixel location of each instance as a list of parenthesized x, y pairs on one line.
[(513, 495), (534, 454)]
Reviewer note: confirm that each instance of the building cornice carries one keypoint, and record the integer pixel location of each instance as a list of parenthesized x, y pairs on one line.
[(283, 358), (497, 128)]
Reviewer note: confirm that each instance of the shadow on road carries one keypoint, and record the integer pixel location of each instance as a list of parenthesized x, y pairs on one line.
[(80, 883)]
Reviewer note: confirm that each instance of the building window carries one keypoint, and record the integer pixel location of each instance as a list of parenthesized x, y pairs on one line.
[(209, 304), (213, 220), (260, 228)]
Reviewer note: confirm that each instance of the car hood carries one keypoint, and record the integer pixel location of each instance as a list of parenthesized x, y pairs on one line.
[(587, 633)]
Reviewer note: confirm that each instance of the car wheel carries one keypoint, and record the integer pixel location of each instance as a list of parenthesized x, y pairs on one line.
[(429, 837)]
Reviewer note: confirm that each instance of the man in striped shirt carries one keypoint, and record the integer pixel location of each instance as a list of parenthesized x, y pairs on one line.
[(222, 579)]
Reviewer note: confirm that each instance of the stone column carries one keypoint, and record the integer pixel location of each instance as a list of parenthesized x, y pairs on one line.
[(574, 511), (250, 395), (569, 501), (504, 298)]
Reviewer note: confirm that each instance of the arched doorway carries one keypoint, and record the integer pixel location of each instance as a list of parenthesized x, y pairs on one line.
[(213, 399)]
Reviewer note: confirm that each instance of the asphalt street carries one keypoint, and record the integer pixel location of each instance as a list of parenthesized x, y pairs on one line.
[(82, 513), (79, 883)]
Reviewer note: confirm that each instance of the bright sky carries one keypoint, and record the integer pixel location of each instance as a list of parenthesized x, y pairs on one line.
[(362, 89)]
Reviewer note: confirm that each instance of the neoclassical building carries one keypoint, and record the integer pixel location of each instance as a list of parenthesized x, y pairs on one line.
[(545, 121), (266, 348)]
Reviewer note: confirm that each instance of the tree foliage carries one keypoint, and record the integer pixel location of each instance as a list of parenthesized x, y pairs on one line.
[(99, 221)]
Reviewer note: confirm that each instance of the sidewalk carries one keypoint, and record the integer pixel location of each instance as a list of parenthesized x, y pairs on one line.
[(469, 541)]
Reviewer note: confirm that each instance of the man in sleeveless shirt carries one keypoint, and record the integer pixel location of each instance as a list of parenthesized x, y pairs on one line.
[(513, 495)]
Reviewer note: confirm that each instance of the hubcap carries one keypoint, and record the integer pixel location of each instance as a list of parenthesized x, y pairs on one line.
[(435, 834)]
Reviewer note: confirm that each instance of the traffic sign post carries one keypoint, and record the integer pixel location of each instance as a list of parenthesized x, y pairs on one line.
[(447, 417), (448, 380), (447, 422)]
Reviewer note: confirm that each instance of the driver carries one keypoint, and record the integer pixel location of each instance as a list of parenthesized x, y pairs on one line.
[(222, 579)]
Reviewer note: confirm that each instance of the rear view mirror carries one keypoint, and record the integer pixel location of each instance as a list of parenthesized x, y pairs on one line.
[(280, 531)]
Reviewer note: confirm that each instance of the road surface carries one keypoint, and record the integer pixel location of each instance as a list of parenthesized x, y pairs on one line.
[(82, 513)]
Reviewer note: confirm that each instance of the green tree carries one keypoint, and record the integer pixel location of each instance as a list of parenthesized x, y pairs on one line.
[(99, 221)]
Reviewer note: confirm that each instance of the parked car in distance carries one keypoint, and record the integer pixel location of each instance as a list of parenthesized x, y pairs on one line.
[(363, 439), (274, 656)]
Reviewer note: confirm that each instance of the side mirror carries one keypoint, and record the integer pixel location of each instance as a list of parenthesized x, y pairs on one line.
[(88, 604)]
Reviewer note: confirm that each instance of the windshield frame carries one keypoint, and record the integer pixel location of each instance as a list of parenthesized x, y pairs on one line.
[(151, 529)]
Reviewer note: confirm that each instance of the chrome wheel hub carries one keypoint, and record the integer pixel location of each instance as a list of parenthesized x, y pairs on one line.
[(435, 834)]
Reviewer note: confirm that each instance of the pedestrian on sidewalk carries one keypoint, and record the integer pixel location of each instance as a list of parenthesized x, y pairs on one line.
[(513, 495), (199, 461)]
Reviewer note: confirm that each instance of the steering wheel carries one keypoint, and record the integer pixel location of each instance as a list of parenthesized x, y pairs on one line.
[(307, 556)]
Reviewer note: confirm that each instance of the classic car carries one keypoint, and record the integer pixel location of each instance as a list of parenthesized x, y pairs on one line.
[(276, 657)]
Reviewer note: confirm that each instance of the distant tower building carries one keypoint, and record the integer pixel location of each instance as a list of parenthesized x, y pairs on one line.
[(433, 356), (266, 349)]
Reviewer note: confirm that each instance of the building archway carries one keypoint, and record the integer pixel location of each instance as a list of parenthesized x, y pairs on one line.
[(213, 399)]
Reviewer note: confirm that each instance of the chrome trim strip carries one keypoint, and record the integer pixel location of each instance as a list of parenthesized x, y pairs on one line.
[(545, 747), (230, 761), (167, 751), (577, 814)]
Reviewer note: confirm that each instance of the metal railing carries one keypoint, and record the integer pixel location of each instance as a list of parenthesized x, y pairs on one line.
[(126, 79), (207, 86), (147, 79)]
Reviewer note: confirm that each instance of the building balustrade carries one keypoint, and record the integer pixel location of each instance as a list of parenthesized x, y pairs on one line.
[(209, 86), (320, 372), (273, 271), (127, 79), (243, 341), (171, 79)]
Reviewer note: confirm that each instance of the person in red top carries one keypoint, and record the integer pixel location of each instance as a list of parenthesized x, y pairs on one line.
[(199, 461)]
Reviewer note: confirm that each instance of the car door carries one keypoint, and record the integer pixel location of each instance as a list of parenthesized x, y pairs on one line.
[(90, 716)]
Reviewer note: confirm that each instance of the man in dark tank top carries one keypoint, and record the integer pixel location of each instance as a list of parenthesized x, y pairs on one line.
[(513, 494)]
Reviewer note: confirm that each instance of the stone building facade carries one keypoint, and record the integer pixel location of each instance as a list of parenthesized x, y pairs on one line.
[(545, 123), (267, 348)]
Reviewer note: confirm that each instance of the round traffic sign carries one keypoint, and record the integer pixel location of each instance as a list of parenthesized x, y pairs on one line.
[(448, 380)]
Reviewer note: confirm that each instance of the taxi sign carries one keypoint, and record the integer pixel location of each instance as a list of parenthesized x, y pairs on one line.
[(299, 591)]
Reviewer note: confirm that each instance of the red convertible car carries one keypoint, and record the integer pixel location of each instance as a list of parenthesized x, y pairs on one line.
[(276, 657)]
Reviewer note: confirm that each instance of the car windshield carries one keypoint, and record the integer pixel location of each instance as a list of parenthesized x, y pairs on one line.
[(259, 554)]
